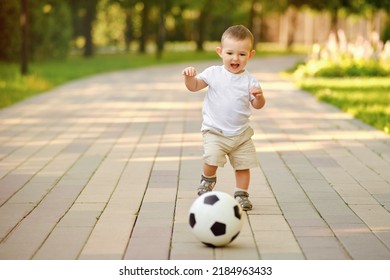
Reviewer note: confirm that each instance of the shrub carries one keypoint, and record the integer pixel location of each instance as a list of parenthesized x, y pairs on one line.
[(50, 29), (338, 58)]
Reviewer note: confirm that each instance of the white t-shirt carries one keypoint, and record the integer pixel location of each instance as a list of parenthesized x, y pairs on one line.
[(226, 106)]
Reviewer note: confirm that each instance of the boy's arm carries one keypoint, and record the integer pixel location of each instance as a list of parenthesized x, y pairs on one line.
[(190, 80), (259, 101)]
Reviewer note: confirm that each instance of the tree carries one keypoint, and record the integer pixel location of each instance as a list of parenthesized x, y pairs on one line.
[(161, 34), (24, 48), (89, 18), (153, 15), (254, 22), (214, 18), (34, 30), (293, 6), (84, 14), (10, 30), (49, 29), (382, 5), (204, 17), (130, 14), (144, 26), (334, 6)]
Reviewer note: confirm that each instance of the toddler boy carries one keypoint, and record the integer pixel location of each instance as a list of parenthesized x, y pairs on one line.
[(232, 91)]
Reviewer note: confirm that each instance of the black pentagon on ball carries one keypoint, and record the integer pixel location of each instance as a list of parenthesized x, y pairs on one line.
[(218, 229), (237, 212), (211, 199), (192, 220)]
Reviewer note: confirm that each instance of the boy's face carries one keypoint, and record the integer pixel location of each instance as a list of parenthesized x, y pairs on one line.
[(235, 54)]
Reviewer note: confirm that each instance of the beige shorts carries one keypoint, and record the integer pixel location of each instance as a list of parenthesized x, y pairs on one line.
[(240, 149)]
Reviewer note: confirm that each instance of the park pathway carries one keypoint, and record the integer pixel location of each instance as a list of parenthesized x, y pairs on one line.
[(106, 168)]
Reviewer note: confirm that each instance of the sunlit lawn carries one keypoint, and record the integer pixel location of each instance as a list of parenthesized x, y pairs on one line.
[(47, 75), (44, 76), (365, 98), (368, 99)]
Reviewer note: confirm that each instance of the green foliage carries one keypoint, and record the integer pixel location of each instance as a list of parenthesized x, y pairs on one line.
[(386, 31), (367, 99), (46, 75), (109, 28), (50, 29), (363, 58), (344, 68)]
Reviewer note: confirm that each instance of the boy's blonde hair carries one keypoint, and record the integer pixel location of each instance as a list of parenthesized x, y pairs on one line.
[(238, 32)]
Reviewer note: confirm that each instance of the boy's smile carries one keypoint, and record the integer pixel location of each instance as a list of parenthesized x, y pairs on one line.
[(235, 54), (235, 65)]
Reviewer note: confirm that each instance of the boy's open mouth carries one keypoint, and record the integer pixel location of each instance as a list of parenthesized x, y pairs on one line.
[(234, 65)]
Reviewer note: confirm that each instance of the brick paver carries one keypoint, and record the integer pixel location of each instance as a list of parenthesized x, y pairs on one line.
[(107, 167)]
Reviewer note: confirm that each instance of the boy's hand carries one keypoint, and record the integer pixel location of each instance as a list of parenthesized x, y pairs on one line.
[(259, 100), (189, 71), (256, 92), (191, 81)]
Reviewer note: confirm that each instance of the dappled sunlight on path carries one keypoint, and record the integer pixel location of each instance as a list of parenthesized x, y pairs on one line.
[(107, 168)]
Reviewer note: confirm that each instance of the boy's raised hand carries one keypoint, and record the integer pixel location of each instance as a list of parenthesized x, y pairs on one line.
[(256, 92), (189, 71), (191, 81)]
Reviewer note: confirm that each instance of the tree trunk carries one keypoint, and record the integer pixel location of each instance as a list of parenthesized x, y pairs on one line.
[(88, 25), (129, 29), (201, 30), (202, 23), (144, 27), (23, 23), (252, 14), (293, 17), (255, 21), (334, 22), (161, 31)]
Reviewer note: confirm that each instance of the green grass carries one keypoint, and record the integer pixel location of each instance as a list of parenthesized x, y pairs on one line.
[(367, 99), (46, 75)]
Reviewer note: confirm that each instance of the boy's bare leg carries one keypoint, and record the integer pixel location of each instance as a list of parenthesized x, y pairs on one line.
[(209, 170), (243, 179)]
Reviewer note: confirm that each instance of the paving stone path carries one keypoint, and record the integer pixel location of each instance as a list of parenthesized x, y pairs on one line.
[(107, 167)]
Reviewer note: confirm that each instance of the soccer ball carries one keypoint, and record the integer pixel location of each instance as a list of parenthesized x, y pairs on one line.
[(215, 218)]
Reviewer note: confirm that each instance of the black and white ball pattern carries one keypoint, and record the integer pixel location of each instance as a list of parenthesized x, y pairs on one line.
[(215, 218)]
